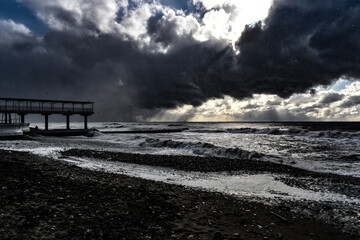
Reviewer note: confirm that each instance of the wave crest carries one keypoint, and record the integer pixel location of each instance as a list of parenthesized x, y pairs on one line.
[(201, 148), (294, 131)]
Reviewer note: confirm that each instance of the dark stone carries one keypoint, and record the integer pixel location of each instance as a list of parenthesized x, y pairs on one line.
[(218, 236)]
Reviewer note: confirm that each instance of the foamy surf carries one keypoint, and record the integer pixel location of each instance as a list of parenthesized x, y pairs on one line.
[(255, 185)]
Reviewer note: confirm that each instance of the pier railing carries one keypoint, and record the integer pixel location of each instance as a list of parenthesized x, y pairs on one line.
[(30, 106), (22, 107), (46, 110)]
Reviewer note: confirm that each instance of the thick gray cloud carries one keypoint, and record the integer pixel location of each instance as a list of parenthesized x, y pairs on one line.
[(351, 101), (331, 98), (302, 44), (101, 52)]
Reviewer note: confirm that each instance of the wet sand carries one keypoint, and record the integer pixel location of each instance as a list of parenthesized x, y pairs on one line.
[(42, 198)]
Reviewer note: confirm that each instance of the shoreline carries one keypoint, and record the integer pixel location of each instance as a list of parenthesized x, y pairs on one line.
[(215, 164), (41, 197)]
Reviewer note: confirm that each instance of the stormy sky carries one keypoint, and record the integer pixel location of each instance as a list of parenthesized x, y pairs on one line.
[(186, 60)]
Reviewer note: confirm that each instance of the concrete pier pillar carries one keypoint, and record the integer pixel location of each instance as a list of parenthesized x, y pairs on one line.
[(9, 118), (22, 118), (46, 122), (67, 121), (85, 122), (6, 118)]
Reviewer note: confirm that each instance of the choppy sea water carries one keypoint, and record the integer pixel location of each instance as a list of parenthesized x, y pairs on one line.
[(320, 146)]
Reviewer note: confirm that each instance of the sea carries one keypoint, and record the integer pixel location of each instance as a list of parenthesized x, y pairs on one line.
[(316, 146), (330, 147)]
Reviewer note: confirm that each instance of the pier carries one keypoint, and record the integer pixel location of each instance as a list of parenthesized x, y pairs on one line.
[(22, 107)]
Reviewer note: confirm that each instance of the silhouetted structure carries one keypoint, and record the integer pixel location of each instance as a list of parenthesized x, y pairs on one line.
[(46, 108)]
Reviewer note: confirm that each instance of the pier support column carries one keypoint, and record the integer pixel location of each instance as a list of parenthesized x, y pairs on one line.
[(67, 121), (22, 116), (10, 118), (85, 122), (6, 118), (46, 121)]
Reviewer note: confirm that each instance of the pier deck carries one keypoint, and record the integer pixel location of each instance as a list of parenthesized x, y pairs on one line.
[(23, 106)]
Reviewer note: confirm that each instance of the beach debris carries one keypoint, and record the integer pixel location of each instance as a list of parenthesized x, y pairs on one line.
[(278, 216)]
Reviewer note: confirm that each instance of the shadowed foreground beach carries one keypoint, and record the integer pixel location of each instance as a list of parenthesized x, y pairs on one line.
[(42, 198)]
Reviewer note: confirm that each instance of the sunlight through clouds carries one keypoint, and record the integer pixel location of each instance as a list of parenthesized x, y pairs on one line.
[(327, 104)]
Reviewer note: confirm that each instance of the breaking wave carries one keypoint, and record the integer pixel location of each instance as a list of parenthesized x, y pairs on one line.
[(294, 131), (201, 148)]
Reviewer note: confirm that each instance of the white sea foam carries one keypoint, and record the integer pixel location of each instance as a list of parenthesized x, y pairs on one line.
[(46, 150), (259, 185)]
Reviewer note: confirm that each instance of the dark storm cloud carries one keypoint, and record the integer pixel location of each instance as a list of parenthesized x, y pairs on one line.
[(331, 97), (301, 45), (351, 101), (153, 80), (85, 67), (162, 31)]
